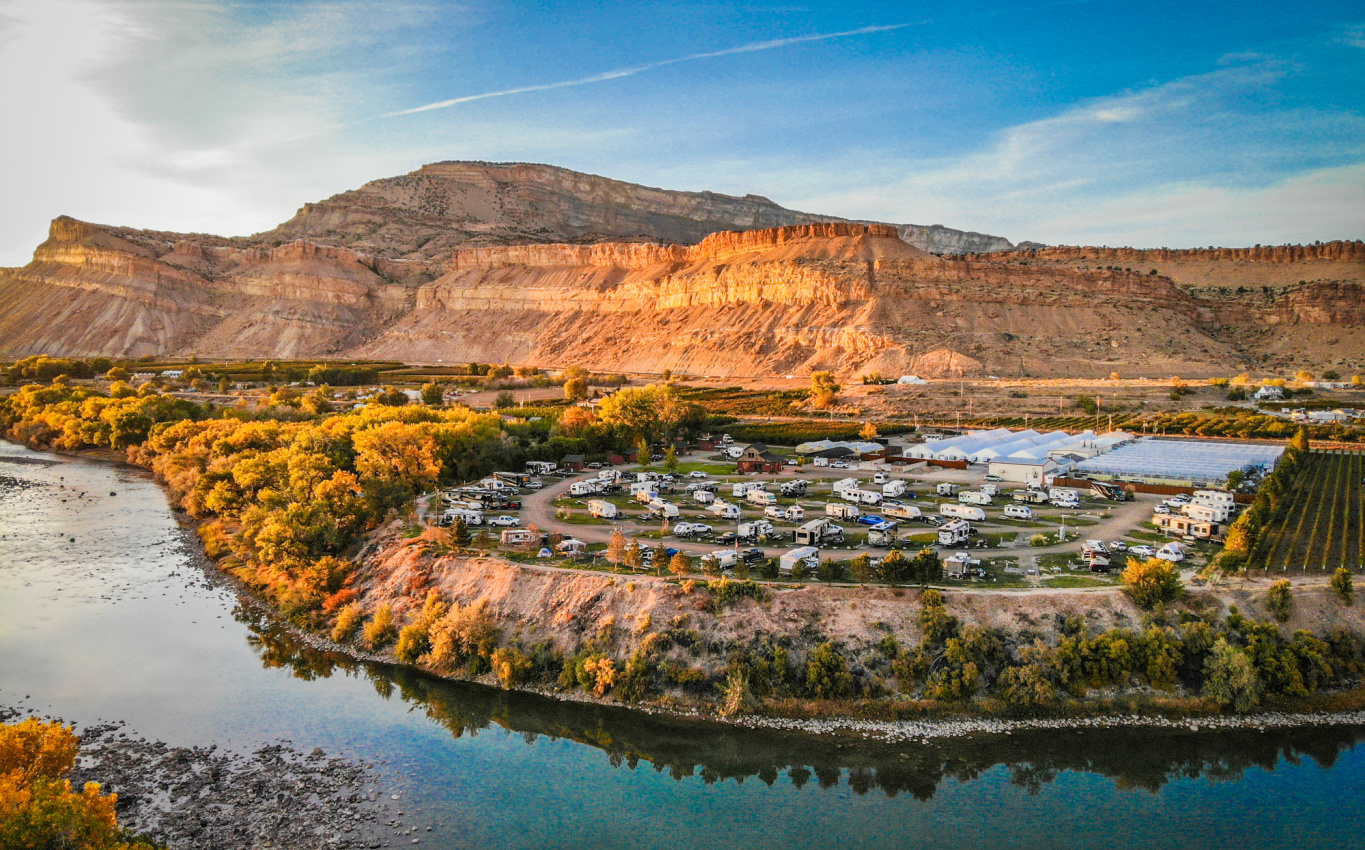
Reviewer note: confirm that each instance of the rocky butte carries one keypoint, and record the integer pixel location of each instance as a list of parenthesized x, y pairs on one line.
[(578, 269)]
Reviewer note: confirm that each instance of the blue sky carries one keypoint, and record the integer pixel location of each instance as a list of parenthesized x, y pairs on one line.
[(1064, 122)]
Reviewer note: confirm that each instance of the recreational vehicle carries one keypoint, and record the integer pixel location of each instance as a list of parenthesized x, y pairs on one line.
[(974, 497), (1018, 512), (762, 498), (602, 509), (892, 489), (725, 510), (808, 555), (899, 510), (945, 488), (842, 511), (819, 531), (1031, 497), (954, 533), (962, 511)]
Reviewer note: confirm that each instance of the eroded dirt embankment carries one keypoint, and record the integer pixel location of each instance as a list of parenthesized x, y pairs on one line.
[(565, 609)]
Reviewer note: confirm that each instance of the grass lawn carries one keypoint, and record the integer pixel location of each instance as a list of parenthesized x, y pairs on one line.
[(1150, 536), (710, 468), (1080, 581), (582, 518), (1058, 559)]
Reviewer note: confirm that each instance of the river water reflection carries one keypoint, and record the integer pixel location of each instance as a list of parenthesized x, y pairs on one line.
[(103, 615)]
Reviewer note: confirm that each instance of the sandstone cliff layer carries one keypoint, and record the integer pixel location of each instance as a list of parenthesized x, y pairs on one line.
[(853, 298)]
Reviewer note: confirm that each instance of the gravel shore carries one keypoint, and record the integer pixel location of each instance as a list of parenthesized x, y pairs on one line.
[(275, 798)]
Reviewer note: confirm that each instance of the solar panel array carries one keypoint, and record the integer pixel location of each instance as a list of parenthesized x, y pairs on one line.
[(1195, 460)]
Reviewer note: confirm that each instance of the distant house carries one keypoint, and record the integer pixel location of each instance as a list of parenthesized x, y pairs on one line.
[(172, 373), (757, 458), (574, 462), (1269, 393)]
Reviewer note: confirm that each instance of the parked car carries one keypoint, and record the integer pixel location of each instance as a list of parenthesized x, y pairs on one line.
[(727, 537), (594, 465), (994, 478), (752, 556), (696, 473), (838, 464), (1161, 509), (870, 519), (504, 521), (1118, 546), (1142, 551)]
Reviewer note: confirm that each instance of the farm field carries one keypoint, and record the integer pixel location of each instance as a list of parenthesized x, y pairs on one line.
[(1324, 527)]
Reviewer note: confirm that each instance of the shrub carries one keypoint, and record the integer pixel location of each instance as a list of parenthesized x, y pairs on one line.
[(462, 633), (1038, 540), (1230, 677), (827, 675), (726, 591), (380, 630), (1152, 581), (1343, 585), (348, 620), (413, 643), (1279, 599), (511, 666)]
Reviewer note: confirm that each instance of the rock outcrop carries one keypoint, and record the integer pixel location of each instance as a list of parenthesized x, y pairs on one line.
[(444, 206)]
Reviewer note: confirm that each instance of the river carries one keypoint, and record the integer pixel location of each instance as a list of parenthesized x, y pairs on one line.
[(104, 614)]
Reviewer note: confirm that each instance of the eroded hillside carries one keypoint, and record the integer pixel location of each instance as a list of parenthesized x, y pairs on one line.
[(852, 298)]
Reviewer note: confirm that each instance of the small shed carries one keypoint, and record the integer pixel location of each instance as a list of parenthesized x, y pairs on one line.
[(1023, 470), (574, 462)]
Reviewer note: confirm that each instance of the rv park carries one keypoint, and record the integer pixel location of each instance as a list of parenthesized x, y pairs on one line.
[(755, 511)]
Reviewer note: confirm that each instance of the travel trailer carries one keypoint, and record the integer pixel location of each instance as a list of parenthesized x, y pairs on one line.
[(962, 512)]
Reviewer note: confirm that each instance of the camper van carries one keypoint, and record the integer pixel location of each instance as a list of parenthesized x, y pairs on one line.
[(819, 531), (898, 510), (842, 511), (1018, 512), (796, 513), (944, 488), (1030, 496), (954, 533), (865, 497), (703, 497), (892, 489), (974, 497), (540, 467), (725, 510), (1112, 492), (881, 478), (601, 509), (962, 511), (469, 517), (809, 555), (1062, 494), (762, 498), (820, 461), (794, 488)]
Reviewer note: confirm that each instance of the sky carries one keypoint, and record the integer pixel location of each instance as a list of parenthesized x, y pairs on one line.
[(1069, 122)]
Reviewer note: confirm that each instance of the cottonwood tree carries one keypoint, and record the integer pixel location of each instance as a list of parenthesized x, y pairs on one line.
[(823, 389), (616, 547)]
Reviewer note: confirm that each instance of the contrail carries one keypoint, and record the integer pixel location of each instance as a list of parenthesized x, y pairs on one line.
[(629, 72)]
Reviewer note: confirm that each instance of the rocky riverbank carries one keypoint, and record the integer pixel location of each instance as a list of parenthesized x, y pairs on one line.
[(208, 798)]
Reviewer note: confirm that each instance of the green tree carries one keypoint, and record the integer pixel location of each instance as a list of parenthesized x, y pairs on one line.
[(831, 570), (895, 568), (1088, 404), (1343, 585), (1230, 677), (459, 534), (926, 567), (433, 394), (681, 564), (224, 385), (671, 460), (117, 373), (504, 400), (642, 453)]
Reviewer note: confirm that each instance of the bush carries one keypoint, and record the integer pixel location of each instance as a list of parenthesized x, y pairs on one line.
[(511, 666), (1343, 585), (726, 591), (827, 675), (1279, 599), (380, 631), (1230, 677), (1152, 581), (348, 620), (1038, 540), (412, 643)]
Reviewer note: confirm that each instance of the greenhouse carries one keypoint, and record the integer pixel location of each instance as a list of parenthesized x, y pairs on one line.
[(1181, 460)]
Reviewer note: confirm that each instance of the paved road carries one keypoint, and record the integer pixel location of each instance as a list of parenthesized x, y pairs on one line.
[(538, 509)]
